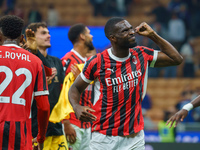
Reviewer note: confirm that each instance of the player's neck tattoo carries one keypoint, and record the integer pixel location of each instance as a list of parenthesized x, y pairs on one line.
[(10, 42)]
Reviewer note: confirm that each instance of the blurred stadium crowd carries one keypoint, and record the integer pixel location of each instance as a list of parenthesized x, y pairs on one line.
[(178, 21)]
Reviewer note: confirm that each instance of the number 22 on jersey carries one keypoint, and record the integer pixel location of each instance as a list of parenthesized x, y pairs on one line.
[(18, 93)]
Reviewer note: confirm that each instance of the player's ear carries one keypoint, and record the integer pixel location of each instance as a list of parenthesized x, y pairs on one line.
[(112, 38), (82, 36)]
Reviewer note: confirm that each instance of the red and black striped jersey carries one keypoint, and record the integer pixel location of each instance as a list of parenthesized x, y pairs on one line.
[(86, 99), (119, 87), (70, 58), (22, 77)]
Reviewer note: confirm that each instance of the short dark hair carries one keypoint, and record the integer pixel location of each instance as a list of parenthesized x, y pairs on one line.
[(11, 26), (36, 25), (75, 31), (109, 27)]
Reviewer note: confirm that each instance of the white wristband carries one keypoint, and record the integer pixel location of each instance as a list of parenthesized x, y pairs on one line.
[(188, 107)]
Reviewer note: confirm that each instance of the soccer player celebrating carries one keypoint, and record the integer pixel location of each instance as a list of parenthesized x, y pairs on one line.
[(78, 133), (81, 39), (120, 78), (21, 77)]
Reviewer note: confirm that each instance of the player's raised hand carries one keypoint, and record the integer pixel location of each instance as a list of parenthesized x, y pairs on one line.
[(23, 43), (179, 116), (75, 70), (144, 29), (31, 42), (83, 113)]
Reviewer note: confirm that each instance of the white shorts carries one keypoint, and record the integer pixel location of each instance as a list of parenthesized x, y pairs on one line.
[(105, 142), (83, 137)]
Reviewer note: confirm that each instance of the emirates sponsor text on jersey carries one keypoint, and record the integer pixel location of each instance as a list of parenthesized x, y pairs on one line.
[(125, 81), (12, 55)]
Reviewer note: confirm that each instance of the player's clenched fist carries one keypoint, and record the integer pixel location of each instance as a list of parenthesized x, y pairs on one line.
[(144, 29)]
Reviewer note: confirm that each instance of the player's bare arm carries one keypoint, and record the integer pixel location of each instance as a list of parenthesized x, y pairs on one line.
[(168, 56), (70, 132), (82, 112), (180, 115)]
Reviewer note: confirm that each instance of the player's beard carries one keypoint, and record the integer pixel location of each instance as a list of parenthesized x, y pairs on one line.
[(130, 45), (90, 45), (133, 45)]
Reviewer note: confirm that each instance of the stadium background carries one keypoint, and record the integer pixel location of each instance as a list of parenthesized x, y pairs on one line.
[(164, 92)]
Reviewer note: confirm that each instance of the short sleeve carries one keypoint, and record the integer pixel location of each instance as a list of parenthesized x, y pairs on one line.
[(89, 72), (150, 54)]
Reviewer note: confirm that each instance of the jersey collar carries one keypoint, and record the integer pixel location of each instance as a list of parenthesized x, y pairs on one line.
[(82, 58), (11, 45), (117, 58)]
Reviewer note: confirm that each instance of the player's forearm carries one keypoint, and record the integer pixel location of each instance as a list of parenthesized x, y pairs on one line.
[(43, 119), (43, 116), (166, 48), (196, 102), (74, 96), (66, 124), (193, 104)]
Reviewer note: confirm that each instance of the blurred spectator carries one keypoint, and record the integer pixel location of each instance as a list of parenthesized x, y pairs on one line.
[(148, 123), (195, 21), (174, 5), (146, 103), (188, 62), (166, 134), (34, 15), (184, 14), (122, 7), (1, 3), (176, 30), (99, 7), (10, 5), (18, 11), (196, 48), (161, 30), (111, 8), (177, 35), (52, 16), (159, 11), (186, 98), (170, 72)]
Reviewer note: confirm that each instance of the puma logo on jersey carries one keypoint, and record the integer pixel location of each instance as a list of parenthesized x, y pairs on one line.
[(112, 70), (67, 62)]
